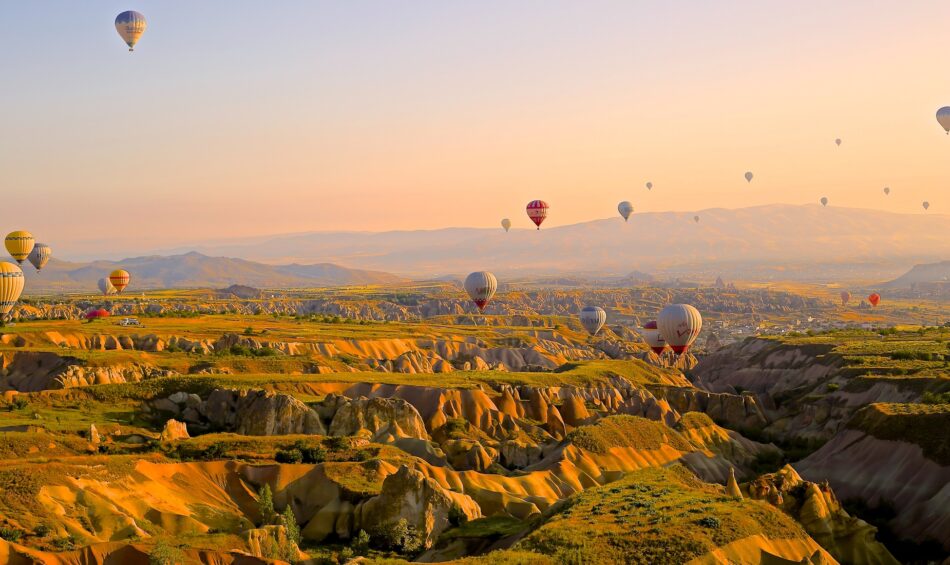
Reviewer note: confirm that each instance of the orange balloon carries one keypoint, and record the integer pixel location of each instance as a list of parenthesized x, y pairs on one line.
[(874, 299)]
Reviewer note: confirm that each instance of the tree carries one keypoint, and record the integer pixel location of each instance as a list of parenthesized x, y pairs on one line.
[(289, 521), (265, 504)]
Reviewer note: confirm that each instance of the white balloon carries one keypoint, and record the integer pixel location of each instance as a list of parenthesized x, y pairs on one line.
[(593, 318), (679, 324), (481, 286)]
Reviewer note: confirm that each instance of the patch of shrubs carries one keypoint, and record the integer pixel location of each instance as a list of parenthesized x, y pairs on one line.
[(244, 351), (709, 522), (11, 534), (301, 453)]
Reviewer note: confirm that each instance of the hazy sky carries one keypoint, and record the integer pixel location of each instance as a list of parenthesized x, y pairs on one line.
[(237, 118)]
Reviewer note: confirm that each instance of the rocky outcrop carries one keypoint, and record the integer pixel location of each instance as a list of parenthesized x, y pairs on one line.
[(174, 430), (260, 413), (894, 470), (384, 420), (732, 410), (815, 506), (428, 507)]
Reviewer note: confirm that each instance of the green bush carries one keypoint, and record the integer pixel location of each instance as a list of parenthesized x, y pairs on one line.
[(709, 522), (164, 554), (288, 456), (10, 534)]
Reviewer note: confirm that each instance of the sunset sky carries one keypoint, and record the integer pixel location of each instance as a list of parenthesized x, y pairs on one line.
[(239, 118)]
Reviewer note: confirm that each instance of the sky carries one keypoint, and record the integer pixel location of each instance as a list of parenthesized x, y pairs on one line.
[(241, 118)]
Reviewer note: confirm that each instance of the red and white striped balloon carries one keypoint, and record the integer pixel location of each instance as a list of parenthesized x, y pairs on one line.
[(537, 211)]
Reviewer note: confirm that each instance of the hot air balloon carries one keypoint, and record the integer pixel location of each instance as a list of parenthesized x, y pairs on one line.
[(943, 118), (926, 205), (649, 186), (120, 279), (105, 287), (593, 318), (11, 286), (838, 142), (481, 286), (845, 297), (874, 299), (887, 190), (537, 211), (652, 336), (625, 208), (696, 219), (98, 313), (824, 200), (19, 244), (748, 176), (506, 223), (40, 255), (679, 324), (130, 25)]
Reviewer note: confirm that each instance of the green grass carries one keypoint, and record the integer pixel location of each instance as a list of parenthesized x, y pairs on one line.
[(925, 425), (627, 431), (657, 515)]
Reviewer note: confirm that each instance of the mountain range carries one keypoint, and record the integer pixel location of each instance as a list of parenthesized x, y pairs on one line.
[(195, 270), (775, 241)]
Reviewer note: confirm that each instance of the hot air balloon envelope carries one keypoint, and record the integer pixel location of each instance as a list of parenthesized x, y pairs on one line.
[(845, 297), (943, 118), (19, 244), (537, 211), (874, 299), (649, 186), (679, 324), (593, 318), (105, 287), (748, 176), (481, 286), (130, 25), (40, 255), (11, 286), (506, 223), (625, 208), (120, 279)]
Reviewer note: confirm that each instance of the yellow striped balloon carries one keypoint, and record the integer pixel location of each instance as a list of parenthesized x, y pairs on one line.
[(19, 244), (120, 279), (11, 286)]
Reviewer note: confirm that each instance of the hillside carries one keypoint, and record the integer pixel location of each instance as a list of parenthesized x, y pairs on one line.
[(927, 273), (195, 270), (825, 242)]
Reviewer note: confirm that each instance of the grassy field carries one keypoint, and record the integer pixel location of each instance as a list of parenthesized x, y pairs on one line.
[(658, 515), (926, 425), (901, 354)]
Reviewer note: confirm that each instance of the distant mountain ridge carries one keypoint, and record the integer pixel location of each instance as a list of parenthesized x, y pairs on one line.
[(791, 240), (927, 273), (196, 270)]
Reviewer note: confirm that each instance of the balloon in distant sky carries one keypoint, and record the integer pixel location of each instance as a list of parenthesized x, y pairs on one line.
[(824, 200), (943, 117), (748, 176), (652, 336), (649, 186), (696, 219), (19, 244), (593, 318), (537, 211), (120, 279), (625, 208), (130, 25), (845, 297), (926, 205), (874, 299), (887, 190), (506, 223), (838, 142), (11, 286), (679, 325), (40, 255), (481, 286), (105, 287)]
